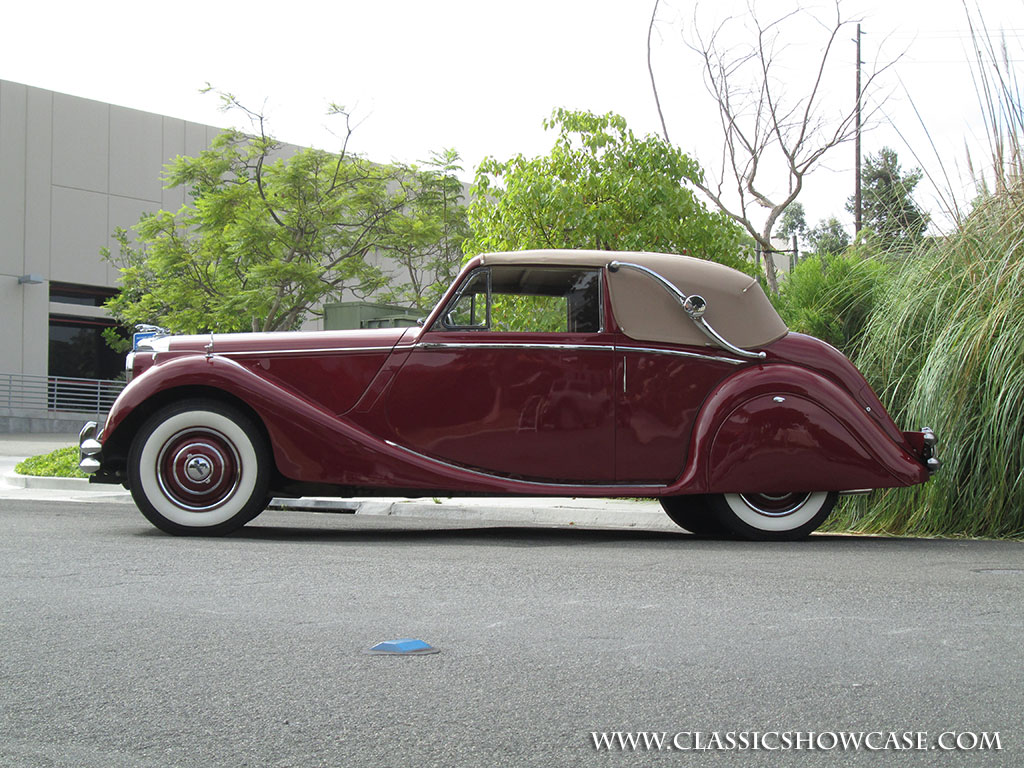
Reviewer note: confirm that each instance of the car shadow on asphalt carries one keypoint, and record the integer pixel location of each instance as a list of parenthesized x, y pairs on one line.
[(531, 536)]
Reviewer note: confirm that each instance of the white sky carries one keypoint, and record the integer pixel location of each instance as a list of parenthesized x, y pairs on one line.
[(482, 76)]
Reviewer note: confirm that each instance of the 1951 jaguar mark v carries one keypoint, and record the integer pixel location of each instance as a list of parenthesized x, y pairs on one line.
[(540, 373)]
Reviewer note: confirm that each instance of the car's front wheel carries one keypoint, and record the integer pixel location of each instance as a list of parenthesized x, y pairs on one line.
[(199, 467), (772, 516)]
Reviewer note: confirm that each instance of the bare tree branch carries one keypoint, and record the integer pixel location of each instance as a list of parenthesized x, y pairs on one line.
[(650, 71), (764, 128)]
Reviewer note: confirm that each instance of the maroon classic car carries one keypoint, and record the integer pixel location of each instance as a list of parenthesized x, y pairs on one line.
[(540, 373)]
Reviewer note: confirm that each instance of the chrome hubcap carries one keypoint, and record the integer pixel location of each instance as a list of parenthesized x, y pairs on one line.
[(775, 505), (198, 468)]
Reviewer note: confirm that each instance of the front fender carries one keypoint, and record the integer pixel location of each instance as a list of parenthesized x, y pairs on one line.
[(309, 443), (781, 428), (189, 371)]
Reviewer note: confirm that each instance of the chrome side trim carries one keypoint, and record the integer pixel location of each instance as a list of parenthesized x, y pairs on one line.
[(317, 351), (705, 326), (680, 353), (694, 306), (512, 345), (857, 492), (504, 479), (572, 348)]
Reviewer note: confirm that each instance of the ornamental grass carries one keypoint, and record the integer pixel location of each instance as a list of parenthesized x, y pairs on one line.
[(944, 347)]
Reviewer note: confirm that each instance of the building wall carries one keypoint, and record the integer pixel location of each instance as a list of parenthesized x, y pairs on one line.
[(72, 170)]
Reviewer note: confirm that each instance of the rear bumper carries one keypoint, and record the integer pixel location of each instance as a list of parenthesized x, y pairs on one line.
[(924, 444)]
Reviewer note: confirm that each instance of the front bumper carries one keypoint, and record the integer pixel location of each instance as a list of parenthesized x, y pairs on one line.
[(90, 449), (90, 457)]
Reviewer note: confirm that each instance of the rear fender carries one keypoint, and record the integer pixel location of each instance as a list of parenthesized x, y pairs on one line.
[(781, 428)]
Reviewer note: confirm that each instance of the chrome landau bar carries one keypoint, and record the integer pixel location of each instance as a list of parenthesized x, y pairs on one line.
[(694, 306)]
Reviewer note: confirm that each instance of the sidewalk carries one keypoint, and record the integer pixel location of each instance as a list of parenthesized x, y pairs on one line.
[(596, 513)]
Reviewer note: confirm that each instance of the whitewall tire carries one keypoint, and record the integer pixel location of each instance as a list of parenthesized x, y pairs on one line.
[(199, 467), (779, 517)]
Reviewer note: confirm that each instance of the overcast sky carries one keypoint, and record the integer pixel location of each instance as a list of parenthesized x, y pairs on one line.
[(481, 76)]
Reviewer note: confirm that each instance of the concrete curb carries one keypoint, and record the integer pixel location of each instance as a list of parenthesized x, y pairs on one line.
[(603, 513), (30, 482), (597, 512)]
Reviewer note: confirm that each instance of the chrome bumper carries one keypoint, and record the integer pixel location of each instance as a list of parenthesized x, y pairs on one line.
[(89, 448), (930, 440)]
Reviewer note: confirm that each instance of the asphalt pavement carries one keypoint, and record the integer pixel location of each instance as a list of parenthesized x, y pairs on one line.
[(124, 647)]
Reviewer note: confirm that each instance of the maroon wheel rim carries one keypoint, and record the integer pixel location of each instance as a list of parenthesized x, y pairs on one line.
[(198, 469)]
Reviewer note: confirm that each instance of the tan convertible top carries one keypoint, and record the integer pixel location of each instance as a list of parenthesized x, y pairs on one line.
[(736, 306)]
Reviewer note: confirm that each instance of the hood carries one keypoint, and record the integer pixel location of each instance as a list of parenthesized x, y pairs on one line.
[(230, 344)]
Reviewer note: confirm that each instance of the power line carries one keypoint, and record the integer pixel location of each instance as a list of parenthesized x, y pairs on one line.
[(956, 34), (954, 61)]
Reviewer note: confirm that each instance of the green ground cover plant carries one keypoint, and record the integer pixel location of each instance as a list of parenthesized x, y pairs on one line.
[(62, 462)]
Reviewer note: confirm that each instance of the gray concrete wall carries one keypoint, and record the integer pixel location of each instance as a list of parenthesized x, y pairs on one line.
[(72, 170), (44, 422)]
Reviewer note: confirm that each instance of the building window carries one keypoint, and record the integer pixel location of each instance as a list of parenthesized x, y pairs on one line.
[(78, 349), (83, 295)]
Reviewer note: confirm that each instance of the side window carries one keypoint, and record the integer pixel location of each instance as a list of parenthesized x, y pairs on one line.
[(528, 300), (470, 307)]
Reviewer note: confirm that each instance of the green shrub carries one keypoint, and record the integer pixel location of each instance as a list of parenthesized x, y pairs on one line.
[(832, 297), (62, 462)]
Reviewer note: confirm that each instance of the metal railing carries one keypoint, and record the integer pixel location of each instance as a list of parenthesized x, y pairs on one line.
[(57, 393)]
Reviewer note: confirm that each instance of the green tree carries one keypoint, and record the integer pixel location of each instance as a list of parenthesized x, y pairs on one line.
[(601, 188), (268, 233), (793, 221), (427, 247), (888, 206), (828, 237)]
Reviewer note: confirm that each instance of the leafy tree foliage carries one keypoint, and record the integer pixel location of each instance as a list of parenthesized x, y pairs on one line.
[(427, 243), (828, 237), (600, 188), (888, 206), (793, 221), (269, 233)]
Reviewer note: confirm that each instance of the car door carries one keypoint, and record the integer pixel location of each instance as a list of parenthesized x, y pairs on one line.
[(516, 378), (662, 389)]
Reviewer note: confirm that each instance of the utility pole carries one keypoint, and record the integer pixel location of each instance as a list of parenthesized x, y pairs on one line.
[(857, 212)]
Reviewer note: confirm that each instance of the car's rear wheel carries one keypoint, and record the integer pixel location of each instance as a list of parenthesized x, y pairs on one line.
[(693, 514), (199, 467), (772, 516)]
